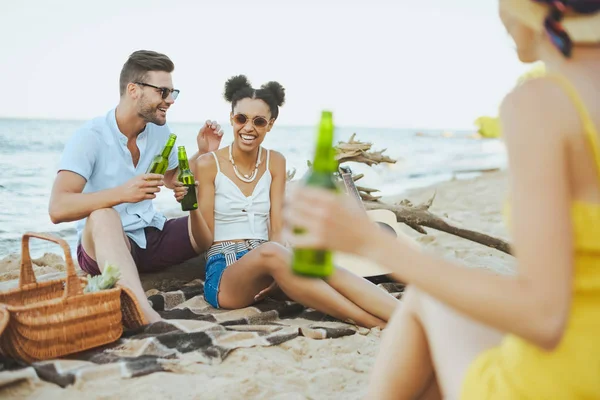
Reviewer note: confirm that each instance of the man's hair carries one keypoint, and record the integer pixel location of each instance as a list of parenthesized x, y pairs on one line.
[(139, 64)]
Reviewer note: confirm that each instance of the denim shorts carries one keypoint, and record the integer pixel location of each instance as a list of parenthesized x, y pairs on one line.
[(218, 257), (215, 266)]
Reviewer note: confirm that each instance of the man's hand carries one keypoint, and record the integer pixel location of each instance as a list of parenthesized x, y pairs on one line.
[(141, 187), (209, 137)]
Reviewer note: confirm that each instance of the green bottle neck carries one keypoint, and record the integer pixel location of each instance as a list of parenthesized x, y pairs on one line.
[(184, 164), (167, 150), (169, 146), (183, 160), (325, 159)]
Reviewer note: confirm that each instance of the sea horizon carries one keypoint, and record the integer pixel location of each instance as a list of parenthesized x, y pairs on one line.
[(459, 130), (30, 150)]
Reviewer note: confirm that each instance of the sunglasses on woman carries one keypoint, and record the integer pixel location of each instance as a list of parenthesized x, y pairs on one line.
[(258, 122), (164, 92)]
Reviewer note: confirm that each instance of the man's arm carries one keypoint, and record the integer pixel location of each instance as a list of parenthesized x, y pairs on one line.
[(68, 203)]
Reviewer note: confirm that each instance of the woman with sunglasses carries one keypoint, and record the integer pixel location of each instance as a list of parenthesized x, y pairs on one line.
[(240, 192), (535, 334)]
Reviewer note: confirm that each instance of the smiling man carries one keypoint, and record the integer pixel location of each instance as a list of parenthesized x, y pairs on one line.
[(101, 180)]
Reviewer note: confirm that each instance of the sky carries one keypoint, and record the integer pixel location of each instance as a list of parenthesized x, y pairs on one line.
[(380, 63)]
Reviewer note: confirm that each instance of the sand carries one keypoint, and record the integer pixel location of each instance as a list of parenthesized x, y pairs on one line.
[(302, 368), (48, 263)]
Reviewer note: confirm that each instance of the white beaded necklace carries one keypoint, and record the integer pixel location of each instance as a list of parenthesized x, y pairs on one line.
[(248, 177)]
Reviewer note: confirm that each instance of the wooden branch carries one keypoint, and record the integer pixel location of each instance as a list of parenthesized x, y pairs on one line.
[(366, 190), (420, 216), (416, 217), (365, 158), (290, 174), (354, 146), (418, 228), (368, 197), (352, 141), (357, 151), (366, 193), (425, 206)]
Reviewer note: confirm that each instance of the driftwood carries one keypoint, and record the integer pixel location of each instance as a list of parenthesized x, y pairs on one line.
[(366, 190), (417, 217), (358, 151), (368, 197), (289, 175)]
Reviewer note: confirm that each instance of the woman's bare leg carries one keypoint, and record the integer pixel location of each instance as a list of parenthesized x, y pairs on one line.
[(431, 390), (426, 335), (403, 367), (363, 293), (242, 280), (455, 341)]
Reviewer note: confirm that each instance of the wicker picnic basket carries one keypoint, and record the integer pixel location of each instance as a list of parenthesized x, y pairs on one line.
[(51, 319)]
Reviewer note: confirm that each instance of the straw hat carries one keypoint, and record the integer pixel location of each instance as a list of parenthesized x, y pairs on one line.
[(582, 28)]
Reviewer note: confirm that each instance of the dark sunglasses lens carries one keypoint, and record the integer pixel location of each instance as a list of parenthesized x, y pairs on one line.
[(240, 119), (260, 122), (166, 91)]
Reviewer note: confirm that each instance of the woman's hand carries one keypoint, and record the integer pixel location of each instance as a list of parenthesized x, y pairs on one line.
[(328, 221), (272, 288), (179, 191), (209, 137)]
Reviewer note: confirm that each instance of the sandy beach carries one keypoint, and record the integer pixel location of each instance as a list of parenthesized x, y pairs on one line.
[(301, 368)]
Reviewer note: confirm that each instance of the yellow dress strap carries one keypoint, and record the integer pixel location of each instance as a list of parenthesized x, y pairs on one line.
[(586, 119)]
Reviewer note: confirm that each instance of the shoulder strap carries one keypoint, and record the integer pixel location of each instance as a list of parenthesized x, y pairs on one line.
[(268, 154), (216, 160), (586, 120)]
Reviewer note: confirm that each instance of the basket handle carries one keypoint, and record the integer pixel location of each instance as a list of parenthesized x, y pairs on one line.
[(27, 276)]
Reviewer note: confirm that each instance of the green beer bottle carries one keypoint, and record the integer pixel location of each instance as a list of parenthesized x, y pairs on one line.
[(160, 163), (186, 177), (312, 262)]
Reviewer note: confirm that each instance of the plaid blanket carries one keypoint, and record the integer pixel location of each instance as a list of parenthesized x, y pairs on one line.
[(191, 327)]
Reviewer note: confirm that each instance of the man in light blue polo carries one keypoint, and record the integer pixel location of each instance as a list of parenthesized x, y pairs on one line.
[(101, 180)]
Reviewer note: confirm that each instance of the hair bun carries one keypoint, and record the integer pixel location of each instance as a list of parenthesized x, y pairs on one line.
[(277, 90), (235, 84)]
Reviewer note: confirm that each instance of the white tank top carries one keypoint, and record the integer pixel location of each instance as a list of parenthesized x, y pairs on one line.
[(240, 217)]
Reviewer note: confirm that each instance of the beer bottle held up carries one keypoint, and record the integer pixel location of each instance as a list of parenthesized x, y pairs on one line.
[(189, 201), (160, 163), (313, 262)]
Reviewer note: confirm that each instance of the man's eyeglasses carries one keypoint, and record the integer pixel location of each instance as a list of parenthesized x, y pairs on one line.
[(258, 122), (164, 92)]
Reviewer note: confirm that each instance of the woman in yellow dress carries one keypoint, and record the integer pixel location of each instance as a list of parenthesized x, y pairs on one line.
[(466, 333)]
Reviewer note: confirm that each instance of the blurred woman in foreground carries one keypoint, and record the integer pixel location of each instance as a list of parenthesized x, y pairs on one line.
[(464, 333)]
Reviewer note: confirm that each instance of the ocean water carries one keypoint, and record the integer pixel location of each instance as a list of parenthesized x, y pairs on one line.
[(30, 151)]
